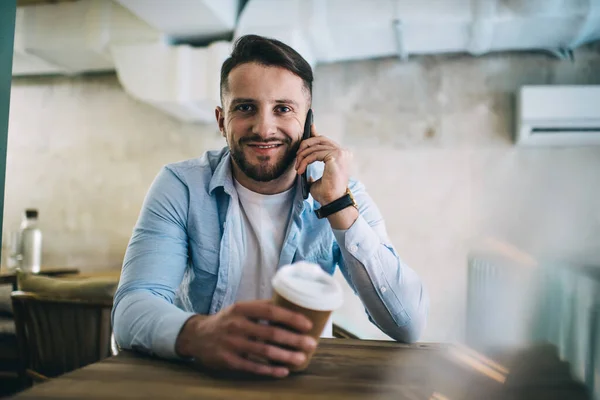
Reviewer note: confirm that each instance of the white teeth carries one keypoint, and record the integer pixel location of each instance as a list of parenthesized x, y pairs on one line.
[(267, 147)]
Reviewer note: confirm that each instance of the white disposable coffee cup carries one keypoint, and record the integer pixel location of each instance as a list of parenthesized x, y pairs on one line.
[(305, 288)]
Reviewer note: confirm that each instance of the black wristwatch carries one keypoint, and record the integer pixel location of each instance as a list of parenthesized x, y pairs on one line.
[(347, 200)]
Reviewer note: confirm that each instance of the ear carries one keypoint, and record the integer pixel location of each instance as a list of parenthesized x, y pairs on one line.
[(220, 116)]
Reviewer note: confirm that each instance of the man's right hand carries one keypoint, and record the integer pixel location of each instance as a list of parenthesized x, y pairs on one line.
[(226, 340)]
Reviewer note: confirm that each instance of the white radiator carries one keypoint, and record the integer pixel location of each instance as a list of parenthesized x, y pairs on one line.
[(509, 306)]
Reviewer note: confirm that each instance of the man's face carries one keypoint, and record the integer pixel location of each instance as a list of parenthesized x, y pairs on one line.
[(263, 116)]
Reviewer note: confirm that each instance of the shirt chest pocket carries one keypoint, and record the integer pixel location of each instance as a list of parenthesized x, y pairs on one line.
[(322, 257)]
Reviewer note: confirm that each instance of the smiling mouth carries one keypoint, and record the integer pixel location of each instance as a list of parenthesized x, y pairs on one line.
[(265, 146)]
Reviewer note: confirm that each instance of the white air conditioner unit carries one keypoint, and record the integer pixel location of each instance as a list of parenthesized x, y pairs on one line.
[(558, 116)]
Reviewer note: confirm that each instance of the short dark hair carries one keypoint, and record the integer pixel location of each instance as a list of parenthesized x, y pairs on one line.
[(268, 52)]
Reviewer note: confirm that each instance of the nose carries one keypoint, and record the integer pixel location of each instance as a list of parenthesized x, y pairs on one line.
[(264, 124)]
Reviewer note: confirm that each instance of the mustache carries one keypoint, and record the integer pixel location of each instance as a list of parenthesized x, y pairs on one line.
[(260, 139)]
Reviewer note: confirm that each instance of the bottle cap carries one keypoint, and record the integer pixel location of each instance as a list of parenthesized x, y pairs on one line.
[(31, 213)]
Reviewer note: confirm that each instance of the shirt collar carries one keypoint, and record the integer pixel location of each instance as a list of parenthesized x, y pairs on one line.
[(222, 176)]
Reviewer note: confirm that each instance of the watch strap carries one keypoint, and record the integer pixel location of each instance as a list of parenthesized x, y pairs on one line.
[(337, 205)]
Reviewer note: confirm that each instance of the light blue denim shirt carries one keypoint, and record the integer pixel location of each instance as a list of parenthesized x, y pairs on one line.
[(184, 257)]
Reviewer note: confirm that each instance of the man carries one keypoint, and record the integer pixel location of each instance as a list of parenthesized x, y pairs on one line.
[(213, 231)]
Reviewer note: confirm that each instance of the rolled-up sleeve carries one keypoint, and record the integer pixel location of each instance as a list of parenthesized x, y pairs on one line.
[(144, 317), (393, 294)]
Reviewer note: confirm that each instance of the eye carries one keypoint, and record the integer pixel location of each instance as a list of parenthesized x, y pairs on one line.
[(245, 108), (283, 109)]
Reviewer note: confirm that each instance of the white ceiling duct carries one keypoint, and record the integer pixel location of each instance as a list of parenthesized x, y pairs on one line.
[(182, 81), (91, 35), (180, 19), (340, 30), (73, 37)]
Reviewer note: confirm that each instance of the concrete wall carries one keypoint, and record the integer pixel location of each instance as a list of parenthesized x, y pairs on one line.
[(432, 142)]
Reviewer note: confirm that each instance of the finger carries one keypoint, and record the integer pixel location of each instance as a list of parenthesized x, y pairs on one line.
[(313, 141), (308, 150), (307, 143), (266, 310), (323, 155), (268, 351), (317, 147), (237, 363), (321, 140), (276, 335)]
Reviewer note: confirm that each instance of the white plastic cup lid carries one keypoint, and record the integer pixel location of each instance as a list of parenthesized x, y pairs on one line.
[(307, 285)]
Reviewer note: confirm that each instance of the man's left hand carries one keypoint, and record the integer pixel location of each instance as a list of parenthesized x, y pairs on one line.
[(332, 185)]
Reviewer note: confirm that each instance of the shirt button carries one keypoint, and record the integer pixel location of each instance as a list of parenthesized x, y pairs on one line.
[(353, 248), (383, 289)]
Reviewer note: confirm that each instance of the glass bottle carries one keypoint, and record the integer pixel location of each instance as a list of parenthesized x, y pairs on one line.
[(30, 242)]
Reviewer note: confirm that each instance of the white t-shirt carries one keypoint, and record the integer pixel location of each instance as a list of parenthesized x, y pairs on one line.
[(264, 221), (264, 224)]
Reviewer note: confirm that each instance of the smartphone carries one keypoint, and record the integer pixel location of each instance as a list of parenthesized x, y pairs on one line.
[(304, 176)]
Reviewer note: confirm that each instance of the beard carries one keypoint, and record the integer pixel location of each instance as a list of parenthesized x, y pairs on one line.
[(263, 171)]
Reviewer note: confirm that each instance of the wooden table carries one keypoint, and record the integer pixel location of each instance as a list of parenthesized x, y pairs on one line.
[(10, 277), (341, 369)]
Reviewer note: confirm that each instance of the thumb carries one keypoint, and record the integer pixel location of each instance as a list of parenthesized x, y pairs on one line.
[(331, 167)]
